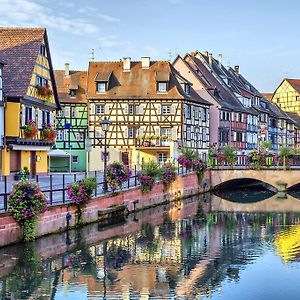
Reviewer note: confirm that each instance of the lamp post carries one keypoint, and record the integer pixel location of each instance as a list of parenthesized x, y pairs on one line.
[(105, 127)]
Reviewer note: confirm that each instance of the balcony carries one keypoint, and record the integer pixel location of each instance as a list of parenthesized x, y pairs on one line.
[(153, 144)]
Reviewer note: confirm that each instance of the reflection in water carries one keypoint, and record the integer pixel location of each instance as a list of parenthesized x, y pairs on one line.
[(185, 250)]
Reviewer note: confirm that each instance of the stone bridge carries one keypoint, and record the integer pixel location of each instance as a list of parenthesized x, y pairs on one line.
[(272, 177)]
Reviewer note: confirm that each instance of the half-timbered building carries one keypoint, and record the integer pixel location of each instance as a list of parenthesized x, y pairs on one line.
[(71, 120), (1, 113), (152, 109), (31, 98)]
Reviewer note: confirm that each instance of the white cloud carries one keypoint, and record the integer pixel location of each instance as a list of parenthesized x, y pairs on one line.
[(94, 12), (109, 41), (30, 13)]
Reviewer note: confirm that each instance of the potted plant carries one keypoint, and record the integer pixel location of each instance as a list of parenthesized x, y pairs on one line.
[(186, 158), (48, 132), (256, 159), (167, 174), (229, 155), (116, 174), (285, 153), (30, 129), (147, 141), (44, 91)]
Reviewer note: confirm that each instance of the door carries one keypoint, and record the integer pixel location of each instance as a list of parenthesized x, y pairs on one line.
[(15, 161), (32, 163), (125, 158)]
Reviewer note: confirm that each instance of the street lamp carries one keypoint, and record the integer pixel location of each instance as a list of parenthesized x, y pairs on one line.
[(105, 127)]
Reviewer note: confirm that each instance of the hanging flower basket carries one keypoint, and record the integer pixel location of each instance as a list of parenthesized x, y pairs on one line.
[(116, 174), (44, 91), (30, 129), (48, 133)]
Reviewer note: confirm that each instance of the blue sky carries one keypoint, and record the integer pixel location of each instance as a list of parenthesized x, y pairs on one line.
[(262, 36)]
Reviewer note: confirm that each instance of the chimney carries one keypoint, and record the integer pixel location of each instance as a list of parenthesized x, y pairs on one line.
[(145, 62), (220, 59), (126, 64), (210, 59), (67, 69), (206, 53), (237, 69)]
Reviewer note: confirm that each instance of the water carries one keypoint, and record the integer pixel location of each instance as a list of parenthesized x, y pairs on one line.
[(208, 247)]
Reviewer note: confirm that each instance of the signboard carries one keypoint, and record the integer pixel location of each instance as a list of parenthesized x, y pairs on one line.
[(263, 131), (88, 145)]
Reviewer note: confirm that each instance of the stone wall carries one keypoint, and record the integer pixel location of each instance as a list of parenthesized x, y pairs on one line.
[(54, 220)]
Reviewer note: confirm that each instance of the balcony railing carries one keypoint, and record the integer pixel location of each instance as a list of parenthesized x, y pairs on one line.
[(153, 143)]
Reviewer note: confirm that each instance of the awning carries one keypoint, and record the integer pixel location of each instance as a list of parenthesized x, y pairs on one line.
[(58, 153), (30, 148)]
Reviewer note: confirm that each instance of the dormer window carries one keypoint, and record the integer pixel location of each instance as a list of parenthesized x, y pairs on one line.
[(162, 87), (101, 87), (187, 89), (72, 93)]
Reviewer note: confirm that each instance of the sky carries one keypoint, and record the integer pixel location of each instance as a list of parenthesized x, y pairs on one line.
[(261, 36)]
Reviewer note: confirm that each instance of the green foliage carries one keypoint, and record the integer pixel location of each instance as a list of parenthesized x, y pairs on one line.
[(229, 154), (266, 145), (256, 159), (26, 203), (286, 152), (189, 153), (149, 173)]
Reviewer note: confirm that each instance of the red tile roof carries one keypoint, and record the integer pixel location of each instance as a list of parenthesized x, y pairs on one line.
[(64, 83), (295, 83), (138, 83)]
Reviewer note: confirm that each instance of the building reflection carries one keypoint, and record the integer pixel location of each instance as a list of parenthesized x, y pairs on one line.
[(189, 253)]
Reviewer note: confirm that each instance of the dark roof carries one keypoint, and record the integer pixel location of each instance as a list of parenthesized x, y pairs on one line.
[(213, 86), (103, 76), (19, 48), (295, 117), (139, 83), (65, 83)]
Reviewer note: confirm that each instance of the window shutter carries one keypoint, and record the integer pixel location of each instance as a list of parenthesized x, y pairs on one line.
[(106, 109), (92, 108), (174, 134), (67, 111), (33, 116), (40, 119), (243, 137), (141, 109), (23, 115), (202, 114), (157, 131), (159, 109), (98, 132), (232, 116), (173, 109), (126, 133), (141, 132), (126, 109), (243, 118), (66, 135), (137, 109), (76, 112), (234, 136), (52, 118)]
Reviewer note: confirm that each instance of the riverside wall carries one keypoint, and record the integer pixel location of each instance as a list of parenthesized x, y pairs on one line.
[(100, 208)]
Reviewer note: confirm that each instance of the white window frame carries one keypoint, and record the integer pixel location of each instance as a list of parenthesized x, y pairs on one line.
[(162, 87), (166, 109), (100, 109), (162, 157), (59, 136), (101, 87)]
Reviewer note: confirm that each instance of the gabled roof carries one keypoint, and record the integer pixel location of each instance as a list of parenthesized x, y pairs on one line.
[(214, 87), (19, 48), (65, 83), (268, 96), (138, 83), (295, 83), (295, 117)]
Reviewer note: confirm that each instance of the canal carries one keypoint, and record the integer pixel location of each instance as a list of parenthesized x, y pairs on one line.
[(241, 244)]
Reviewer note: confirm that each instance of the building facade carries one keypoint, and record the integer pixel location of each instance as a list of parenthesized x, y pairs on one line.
[(2, 104), (152, 109), (71, 121), (30, 96)]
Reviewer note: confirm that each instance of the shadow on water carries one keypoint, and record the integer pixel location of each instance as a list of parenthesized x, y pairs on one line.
[(294, 191), (244, 191)]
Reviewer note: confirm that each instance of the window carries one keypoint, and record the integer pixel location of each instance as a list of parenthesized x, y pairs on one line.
[(166, 109), (79, 136), (44, 82), (100, 109), (38, 80), (187, 89), (131, 109), (101, 87), (59, 136), (132, 132), (46, 117), (43, 50), (165, 132), (162, 87), (188, 111), (188, 133), (60, 113), (28, 114), (74, 112), (204, 135), (224, 136), (66, 135), (72, 93), (75, 159), (162, 157)]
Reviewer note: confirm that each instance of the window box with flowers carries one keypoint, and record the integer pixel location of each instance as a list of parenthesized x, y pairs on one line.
[(164, 140), (48, 132), (116, 174), (30, 130), (44, 91)]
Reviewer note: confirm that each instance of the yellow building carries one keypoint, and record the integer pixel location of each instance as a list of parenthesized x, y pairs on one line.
[(287, 95), (152, 109), (30, 99)]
